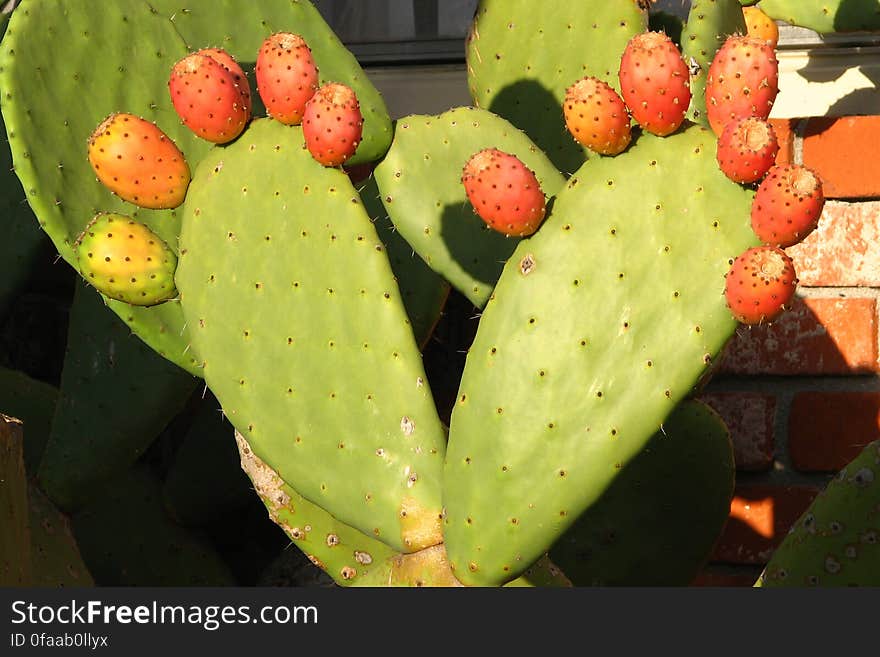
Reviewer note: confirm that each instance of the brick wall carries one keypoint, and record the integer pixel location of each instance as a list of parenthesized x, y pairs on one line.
[(802, 396)]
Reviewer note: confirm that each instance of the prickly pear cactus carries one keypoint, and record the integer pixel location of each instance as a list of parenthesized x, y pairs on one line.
[(420, 184), (240, 29), (48, 133), (836, 542), (424, 291), (520, 62), (318, 364), (650, 527), (544, 420), (116, 396), (343, 552), (138, 42), (709, 23), (23, 240), (826, 16)]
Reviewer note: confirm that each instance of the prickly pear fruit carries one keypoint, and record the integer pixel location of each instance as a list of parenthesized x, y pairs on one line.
[(332, 124), (138, 162), (743, 81), (207, 99), (655, 82), (596, 116), (287, 76), (787, 205), (228, 62), (504, 192), (747, 149), (760, 25), (759, 284), (125, 260)]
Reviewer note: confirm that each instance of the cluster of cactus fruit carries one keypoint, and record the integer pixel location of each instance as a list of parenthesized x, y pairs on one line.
[(239, 248)]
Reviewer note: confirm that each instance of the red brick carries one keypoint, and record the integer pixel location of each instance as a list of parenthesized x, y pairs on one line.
[(827, 430), (760, 517), (750, 417), (843, 151), (784, 129), (844, 251), (817, 336)]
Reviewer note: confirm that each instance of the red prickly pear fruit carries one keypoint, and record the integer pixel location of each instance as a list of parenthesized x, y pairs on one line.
[(286, 76), (759, 284), (333, 124), (228, 62), (596, 116), (747, 149), (655, 82), (207, 99), (125, 260), (743, 81), (138, 162), (504, 192), (787, 205)]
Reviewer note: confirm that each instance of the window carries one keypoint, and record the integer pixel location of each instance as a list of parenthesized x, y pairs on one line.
[(401, 31)]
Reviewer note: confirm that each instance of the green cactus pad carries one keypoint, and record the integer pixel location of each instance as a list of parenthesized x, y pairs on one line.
[(116, 396), (54, 553), (126, 539), (346, 554), (240, 28), (616, 304), (204, 481), (424, 292), (656, 523), (33, 402), (317, 365), (826, 16), (521, 61), (836, 542), (124, 260), (15, 555), (420, 184), (116, 59), (22, 238), (709, 23)]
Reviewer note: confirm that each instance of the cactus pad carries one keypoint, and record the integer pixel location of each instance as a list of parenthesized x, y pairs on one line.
[(420, 183), (826, 16), (521, 61), (836, 542), (317, 364), (709, 23), (116, 396), (126, 539), (115, 59), (657, 522), (424, 291), (344, 553), (617, 303)]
